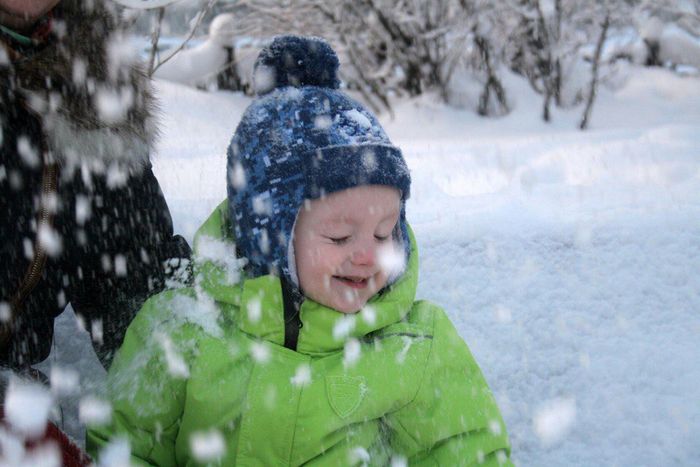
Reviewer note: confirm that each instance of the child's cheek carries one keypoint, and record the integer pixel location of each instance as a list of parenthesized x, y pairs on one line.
[(324, 258), (316, 256)]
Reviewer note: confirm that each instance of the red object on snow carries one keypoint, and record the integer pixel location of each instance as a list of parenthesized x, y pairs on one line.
[(71, 454)]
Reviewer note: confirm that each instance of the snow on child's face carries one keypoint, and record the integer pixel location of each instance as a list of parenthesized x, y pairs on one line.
[(338, 244)]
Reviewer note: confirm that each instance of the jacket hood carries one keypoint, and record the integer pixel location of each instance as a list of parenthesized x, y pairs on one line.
[(256, 304)]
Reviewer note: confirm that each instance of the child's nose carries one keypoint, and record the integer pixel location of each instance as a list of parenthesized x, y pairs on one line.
[(364, 256)]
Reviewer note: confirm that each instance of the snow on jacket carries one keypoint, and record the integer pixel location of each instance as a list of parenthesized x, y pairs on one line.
[(82, 217), (203, 377)]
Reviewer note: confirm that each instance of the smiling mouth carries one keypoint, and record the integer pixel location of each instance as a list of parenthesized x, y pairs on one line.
[(354, 282)]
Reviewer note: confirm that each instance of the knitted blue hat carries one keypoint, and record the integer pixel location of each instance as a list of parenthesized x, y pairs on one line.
[(301, 138)]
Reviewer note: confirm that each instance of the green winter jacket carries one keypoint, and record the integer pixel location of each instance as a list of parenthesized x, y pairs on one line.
[(203, 378)]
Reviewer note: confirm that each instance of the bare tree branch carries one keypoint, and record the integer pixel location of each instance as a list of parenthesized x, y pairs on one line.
[(200, 17), (594, 78), (155, 37)]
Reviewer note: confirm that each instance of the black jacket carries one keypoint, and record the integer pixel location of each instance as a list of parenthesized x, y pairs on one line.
[(82, 218)]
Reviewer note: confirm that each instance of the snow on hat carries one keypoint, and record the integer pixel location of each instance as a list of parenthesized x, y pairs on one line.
[(301, 138)]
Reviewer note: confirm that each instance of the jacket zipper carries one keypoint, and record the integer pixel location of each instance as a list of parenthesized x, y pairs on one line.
[(35, 268), (49, 182)]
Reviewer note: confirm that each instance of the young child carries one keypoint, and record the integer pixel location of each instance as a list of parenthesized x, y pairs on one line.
[(302, 342)]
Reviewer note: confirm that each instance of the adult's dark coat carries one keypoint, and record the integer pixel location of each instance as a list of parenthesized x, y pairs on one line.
[(82, 218)]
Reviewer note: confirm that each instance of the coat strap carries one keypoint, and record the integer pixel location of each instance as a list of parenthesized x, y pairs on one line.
[(292, 317)]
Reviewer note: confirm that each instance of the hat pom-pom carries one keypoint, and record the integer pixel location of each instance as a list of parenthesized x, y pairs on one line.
[(296, 61)]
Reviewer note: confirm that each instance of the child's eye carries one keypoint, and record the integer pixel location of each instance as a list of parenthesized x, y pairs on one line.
[(339, 240), (381, 238)]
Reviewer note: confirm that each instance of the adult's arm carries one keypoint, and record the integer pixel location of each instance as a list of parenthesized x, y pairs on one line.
[(129, 239)]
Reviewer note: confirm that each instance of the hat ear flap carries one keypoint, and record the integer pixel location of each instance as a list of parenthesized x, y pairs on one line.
[(291, 257), (402, 241)]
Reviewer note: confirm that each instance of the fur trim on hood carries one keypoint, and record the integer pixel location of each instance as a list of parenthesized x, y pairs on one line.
[(88, 87)]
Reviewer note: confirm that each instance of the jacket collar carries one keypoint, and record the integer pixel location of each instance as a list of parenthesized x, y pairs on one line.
[(256, 305)]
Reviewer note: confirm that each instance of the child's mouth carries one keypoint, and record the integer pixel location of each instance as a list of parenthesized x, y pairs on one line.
[(354, 282)]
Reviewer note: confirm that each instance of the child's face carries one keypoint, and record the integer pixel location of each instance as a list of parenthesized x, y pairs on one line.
[(337, 243)]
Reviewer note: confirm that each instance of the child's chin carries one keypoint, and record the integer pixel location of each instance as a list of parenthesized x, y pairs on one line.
[(348, 311), (340, 301), (349, 308)]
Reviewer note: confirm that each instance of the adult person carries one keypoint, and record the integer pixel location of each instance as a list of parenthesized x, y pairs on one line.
[(82, 217)]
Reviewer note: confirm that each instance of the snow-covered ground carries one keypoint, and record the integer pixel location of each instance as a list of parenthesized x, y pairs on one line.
[(569, 261)]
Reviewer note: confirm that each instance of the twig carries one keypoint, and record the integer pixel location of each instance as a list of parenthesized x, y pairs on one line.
[(594, 79), (155, 37), (201, 16)]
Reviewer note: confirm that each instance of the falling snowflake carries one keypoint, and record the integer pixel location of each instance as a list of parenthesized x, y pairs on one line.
[(351, 353), (343, 327), (554, 420), (207, 446), (94, 411), (302, 376), (27, 407), (176, 364), (260, 352)]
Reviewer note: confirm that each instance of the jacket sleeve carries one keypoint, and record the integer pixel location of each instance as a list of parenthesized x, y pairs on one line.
[(147, 396), (453, 419), (130, 236)]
